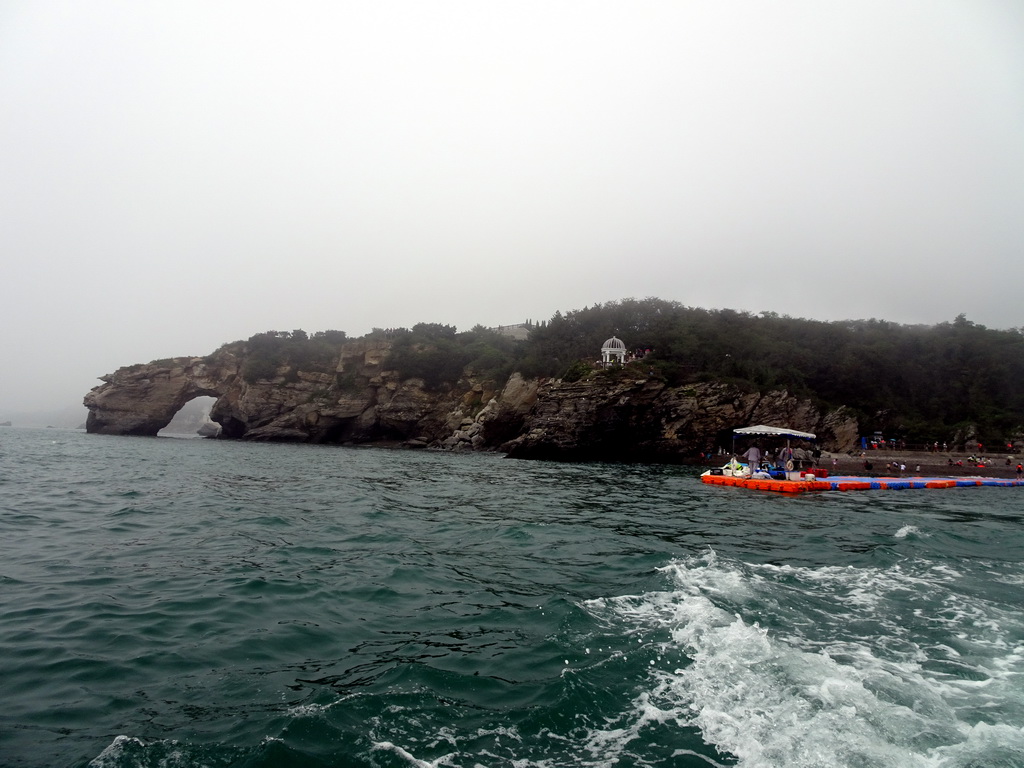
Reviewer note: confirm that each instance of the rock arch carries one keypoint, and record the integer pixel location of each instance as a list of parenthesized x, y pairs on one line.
[(142, 399), (192, 419)]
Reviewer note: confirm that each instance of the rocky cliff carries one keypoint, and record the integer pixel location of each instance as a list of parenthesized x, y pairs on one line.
[(645, 420), (611, 415)]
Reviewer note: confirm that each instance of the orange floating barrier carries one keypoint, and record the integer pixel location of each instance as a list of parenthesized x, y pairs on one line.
[(855, 483), (777, 486), (854, 486)]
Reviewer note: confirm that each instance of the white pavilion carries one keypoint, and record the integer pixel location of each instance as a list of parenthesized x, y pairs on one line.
[(613, 351)]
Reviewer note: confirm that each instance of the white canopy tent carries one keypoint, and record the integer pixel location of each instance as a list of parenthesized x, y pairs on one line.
[(761, 429)]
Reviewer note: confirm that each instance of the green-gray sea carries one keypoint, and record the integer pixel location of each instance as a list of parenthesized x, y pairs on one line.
[(184, 603)]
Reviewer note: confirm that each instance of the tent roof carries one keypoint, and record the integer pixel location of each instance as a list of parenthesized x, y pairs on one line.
[(761, 429)]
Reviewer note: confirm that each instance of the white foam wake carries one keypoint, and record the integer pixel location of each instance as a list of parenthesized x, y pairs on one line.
[(907, 530), (829, 685)]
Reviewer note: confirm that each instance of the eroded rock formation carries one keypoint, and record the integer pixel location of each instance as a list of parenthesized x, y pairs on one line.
[(142, 399), (602, 417), (645, 420)]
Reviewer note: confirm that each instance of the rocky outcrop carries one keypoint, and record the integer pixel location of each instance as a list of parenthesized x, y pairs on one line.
[(142, 399), (355, 400), (610, 415), (645, 420)]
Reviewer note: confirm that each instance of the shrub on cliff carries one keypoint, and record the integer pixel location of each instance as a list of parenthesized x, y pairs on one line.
[(266, 352), (576, 371), (441, 356), (437, 363)]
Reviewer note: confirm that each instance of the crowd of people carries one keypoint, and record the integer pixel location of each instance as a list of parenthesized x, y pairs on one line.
[(785, 457)]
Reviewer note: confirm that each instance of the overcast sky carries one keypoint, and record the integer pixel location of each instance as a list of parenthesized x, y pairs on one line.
[(175, 175)]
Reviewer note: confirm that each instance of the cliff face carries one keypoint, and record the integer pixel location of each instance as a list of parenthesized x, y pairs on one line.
[(644, 420), (605, 417)]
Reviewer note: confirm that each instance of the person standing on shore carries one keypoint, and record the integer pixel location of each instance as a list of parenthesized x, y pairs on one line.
[(1020, 471)]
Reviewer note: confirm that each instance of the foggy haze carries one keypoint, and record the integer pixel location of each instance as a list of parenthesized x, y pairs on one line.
[(174, 176)]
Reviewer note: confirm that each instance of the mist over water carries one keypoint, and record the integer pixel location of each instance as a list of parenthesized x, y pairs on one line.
[(204, 603)]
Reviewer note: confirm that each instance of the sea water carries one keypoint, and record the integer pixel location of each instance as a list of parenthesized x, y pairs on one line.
[(180, 603)]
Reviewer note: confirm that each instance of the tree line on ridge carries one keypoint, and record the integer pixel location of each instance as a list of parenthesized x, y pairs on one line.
[(919, 383)]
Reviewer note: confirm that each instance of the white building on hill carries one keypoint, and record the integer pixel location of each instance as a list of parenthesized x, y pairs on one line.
[(613, 351)]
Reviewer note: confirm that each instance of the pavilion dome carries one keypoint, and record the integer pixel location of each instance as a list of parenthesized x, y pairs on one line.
[(613, 343)]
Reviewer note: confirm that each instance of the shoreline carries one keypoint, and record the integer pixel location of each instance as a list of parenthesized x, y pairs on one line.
[(931, 464)]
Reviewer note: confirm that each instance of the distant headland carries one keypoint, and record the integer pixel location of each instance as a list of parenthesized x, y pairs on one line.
[(647, 380)]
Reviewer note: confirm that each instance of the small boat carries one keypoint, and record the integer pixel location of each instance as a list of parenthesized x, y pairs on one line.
[(786, 476), (787, 464)]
